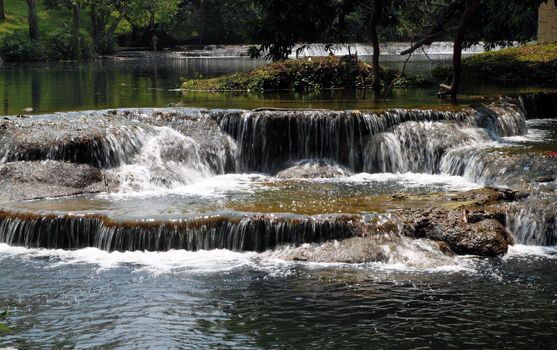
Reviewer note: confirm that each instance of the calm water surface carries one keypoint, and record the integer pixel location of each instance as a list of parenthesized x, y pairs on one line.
[(55, 87)]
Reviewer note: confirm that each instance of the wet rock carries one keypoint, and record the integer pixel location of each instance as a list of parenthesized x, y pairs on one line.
[(31, 180), (314, 169), (476, 226), (487, 237), (96, 139), (200, 125), (381, 248), (488, 195)]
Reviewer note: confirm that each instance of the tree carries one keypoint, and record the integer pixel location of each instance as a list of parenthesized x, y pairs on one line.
[(33, 19), (376, 9), (106, 16), (468, 22), (2, 11), (284, 23)]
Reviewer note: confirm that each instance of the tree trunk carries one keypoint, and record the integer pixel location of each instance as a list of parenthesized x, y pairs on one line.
[(457, 62), (152, 20), (2, 12), (377, 75), (471, 7), (76, 37), (152, 4), (96, 25), (33, 19)]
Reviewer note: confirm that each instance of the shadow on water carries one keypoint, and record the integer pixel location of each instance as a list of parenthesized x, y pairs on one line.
[(65, 86)]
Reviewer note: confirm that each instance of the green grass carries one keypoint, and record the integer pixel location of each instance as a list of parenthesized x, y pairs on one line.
[(16, 17), (526, 64)]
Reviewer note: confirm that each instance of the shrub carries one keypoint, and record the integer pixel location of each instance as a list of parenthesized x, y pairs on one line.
[(106, 45), (60, 45), (17, 47)]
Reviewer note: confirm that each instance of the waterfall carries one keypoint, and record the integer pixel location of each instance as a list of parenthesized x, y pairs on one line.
[(269, 140), (539, 106), (168, 159), (248, 233), (417, 146), (534, 222)]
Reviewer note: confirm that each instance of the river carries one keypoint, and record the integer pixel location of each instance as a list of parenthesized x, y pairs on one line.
[(139, 263)]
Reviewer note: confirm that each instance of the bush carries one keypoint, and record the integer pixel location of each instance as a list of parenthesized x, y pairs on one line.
[(60, 45), (106, 45), (313, 74), (304, 75), (17, 47)]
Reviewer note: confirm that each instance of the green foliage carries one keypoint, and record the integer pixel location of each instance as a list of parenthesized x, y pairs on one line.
[(106, 45), (59, 45), (17, 47), (283, 23), (3, 327), (303, 75)]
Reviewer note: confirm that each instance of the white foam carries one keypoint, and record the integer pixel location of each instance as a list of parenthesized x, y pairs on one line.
[(211, 186), (533, 135), (447, 182), (154, 262), (520, 250), (219, 261)]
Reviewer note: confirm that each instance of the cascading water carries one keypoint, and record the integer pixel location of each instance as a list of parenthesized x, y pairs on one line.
[(158, 151), (168, 159), (534, 222), (417, 146), (256, 233)]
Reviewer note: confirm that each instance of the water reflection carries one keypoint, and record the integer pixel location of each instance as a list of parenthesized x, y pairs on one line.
[(148, 82)]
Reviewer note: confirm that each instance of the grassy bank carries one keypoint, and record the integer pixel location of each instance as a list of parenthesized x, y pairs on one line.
[(16, 18), (55, 39), (536, 64), (313, 74)]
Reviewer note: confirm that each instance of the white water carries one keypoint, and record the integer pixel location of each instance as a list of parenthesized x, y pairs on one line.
[(418, 146), (411, 256), (415, 256), (387, 49), (417, 180), (168, 159)]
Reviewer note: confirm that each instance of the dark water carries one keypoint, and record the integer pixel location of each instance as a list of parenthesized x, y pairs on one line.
[(232, 301), (66, 86)]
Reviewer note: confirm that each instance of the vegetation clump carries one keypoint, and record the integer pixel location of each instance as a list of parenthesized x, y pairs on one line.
[(311, 74), (525, 64)]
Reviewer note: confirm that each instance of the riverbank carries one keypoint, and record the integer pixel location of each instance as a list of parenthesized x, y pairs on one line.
[(517, 65), (532, 64)]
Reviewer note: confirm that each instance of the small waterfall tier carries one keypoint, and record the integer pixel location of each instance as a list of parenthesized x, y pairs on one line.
[(256, 232)]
